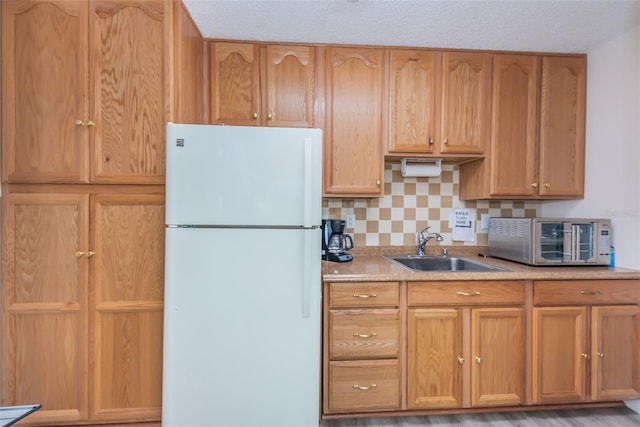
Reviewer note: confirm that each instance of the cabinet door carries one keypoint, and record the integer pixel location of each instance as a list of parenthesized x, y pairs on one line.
[(234, 76), (560, 354), (513, 125), (434, 354), (127, 277), (44, 91), (562, 126), (128, 99), (466, 96), (412, 101), (290, 80), (44, 304), (497, 356), (615, 361), (353, 131)]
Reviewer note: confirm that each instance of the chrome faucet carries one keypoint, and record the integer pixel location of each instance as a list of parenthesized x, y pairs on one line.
[(424, 239)]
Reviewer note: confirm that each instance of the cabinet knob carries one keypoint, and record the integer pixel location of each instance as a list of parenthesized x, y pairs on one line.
[(461, 360), (600, 355), (431, 141), (269, 116), (79, 122), (445, 141), (585, 356), (89, 254), (378, 183), (478, 360), (533, 185), (547, 185), (255, 115), (89, 123), (78, 254)]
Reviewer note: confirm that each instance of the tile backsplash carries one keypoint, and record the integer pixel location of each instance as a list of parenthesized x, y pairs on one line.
[(410, 204)]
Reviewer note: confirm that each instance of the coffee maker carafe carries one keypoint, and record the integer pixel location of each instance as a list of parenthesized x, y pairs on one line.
[(334, 242)]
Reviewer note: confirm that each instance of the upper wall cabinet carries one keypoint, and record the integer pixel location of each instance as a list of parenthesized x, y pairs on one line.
[(83, 91), (354, 121), (466, 102), (254, 85), (438, 102), (519, 164), (562, 126)]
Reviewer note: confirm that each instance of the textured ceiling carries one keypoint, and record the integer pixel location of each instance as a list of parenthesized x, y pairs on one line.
[(526, 25)]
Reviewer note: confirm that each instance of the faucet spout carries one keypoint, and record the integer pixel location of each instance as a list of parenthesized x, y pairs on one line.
[(424, 239)]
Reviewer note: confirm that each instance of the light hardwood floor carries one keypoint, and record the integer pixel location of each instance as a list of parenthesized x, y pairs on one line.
[(604, 417)]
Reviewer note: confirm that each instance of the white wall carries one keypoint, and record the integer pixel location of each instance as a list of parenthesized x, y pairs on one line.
[(612, 181)]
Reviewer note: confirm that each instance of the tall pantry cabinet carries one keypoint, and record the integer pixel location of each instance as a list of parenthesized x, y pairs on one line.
[(87, 88)]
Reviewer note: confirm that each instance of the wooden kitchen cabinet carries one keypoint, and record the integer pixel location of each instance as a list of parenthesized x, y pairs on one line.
[(444, 371), (585, 336), (82, 294), (413, 101), (465, 102), (531, 157), (355, 110), (255, 85), (438, 103), (362, 347), (84, 91)]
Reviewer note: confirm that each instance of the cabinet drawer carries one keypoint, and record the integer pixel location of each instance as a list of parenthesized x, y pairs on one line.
[(465, 293), (364, 294), (358, 386), (586, 292), (357, 334)]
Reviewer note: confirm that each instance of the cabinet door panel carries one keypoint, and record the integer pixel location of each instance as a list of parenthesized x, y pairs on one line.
[(128, 59), (290, 72), (44, 88), (412, 101), (615, 362), (562, 126), (497, 342), (44, 298), (234, 76), (513, 125), (434, 354), (465, 115), (560, 354), (127, 298), (353, 130)]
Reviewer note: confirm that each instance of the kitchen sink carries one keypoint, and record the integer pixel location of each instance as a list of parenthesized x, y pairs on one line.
[(441, 263)]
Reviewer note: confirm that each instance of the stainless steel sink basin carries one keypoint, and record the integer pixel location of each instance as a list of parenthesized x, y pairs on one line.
[(441, 263)]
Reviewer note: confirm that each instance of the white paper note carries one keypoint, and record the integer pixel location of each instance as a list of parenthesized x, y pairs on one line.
[(463, 224)]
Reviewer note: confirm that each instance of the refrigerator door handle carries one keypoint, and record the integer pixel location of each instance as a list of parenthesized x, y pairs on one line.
[(308, 181), (307, 274)]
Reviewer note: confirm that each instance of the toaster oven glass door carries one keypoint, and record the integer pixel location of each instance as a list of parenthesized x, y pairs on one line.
[(567, 242)]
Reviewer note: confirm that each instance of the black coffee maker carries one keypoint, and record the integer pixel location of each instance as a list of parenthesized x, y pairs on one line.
[(335, 243)]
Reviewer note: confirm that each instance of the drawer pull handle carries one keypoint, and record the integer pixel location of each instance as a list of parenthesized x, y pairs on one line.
[(364, 387), (369, 335), (364, 296), (591, 292), (468, 294)]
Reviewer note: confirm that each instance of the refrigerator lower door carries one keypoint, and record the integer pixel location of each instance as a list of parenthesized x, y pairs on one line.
[(242, 327)]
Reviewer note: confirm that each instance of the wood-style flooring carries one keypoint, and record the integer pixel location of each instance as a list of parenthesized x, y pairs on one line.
[(602, 417)]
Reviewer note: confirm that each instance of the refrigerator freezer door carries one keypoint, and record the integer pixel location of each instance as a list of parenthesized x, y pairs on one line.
[(242, 328), (243, 176)]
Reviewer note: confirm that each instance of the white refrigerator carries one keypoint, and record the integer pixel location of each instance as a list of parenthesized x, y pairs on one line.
[(242, 276)]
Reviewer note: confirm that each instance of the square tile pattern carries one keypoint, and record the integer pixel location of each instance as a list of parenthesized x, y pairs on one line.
[(410, 204)]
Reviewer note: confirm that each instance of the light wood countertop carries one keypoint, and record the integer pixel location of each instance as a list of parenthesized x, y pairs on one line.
[(371, 265)]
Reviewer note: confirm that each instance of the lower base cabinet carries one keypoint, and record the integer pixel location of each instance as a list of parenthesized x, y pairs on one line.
[(586, 348), (82, 302)]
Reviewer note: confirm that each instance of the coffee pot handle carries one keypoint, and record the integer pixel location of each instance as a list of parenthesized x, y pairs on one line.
[(348, 242)]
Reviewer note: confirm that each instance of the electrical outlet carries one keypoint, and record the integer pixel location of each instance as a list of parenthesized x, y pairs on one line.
[(484, 221), (351, 221)]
